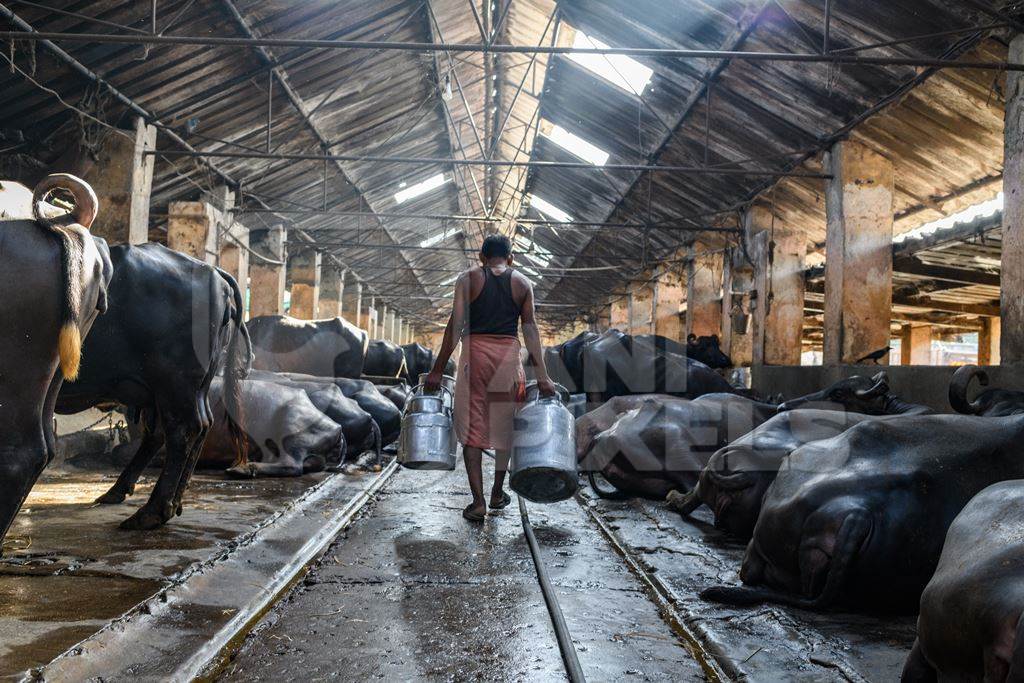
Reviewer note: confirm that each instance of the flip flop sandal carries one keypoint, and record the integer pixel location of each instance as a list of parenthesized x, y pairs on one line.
[(472, 516), (505, 501)]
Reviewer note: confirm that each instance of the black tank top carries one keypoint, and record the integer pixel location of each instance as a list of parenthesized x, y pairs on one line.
[(494, 310)]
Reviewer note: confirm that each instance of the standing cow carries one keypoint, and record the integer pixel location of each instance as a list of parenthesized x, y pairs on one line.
[(171, 318), (323, 348), (53, 277)]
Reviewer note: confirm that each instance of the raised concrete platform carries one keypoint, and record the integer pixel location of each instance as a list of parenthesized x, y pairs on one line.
[(72, 582)]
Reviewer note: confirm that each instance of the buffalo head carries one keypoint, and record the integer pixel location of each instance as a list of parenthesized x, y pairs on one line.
[(857, 394), (708, 351), (989, 403)]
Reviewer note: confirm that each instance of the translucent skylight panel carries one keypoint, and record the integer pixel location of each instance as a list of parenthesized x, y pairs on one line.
[(439, 237), (986, 208), (620, 70), (549, 209), (413, 191), (577, 146)]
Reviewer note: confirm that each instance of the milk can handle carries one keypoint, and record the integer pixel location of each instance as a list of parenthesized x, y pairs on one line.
[(416, 388)]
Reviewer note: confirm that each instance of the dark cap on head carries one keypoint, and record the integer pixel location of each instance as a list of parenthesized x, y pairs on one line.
[(496, 246)]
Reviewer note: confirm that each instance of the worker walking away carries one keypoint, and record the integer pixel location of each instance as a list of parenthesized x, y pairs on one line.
[(490, 302)]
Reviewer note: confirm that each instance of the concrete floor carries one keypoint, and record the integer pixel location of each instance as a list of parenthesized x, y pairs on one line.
[(767, 643), (68, 569), (411, 591), (414, 592)]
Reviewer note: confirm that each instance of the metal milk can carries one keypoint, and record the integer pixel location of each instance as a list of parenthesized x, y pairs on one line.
[(427, 440), (543, 467)]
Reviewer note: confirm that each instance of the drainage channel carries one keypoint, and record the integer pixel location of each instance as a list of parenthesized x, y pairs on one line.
[(189, 628), (716, 665)]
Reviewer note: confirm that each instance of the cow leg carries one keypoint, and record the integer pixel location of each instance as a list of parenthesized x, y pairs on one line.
[(20, 466), (152, 440), (917, 669), (193, 456), (181, 432)]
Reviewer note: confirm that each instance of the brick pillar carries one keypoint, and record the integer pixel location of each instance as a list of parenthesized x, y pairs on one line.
[(669, 294), (619, 317), (988, 342), (304, 273), (332, 292), (858, 249), (916, 345), (122, 178), (703, 295), (267, 274), (641, 313), (352, 307), (234, 255), (192, 230), (779, 281)]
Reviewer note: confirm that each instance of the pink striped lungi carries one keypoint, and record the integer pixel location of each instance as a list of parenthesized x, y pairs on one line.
[(489, 387)]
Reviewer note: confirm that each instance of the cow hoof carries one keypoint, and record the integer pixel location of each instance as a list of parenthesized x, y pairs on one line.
[(143, 520), (240, 472), (111, 497)]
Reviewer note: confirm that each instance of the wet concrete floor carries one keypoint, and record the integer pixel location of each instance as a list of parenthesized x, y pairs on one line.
[(67, 569), (414, 592), (767, 643)]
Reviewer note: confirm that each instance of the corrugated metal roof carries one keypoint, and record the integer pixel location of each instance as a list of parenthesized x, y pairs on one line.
[(944, 130)]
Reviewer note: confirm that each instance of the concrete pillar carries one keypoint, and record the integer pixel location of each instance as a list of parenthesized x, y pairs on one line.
[(267, 271), (988, 342), (396, 330), (304, 272), (382, 322), (704, 295), (779, 280), (122, 178), (641, 313), (371, 316), (737, 282), (916, 345), (858, 250), (352, 309), (669, 294), (192, 230), (234, 254), (619, 314), (1012, 266), (332, 292)]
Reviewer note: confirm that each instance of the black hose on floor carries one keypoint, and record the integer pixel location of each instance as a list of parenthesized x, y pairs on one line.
[(572, 662)]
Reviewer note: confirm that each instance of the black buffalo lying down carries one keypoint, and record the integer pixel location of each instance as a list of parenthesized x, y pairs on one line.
[(361, 431), (860, 518), (614, 364), (170, 319), (383, 411), (663, 444), (858, 394), (323, 348), (53, 276), (970, 626), (738, 475), (286, 435)]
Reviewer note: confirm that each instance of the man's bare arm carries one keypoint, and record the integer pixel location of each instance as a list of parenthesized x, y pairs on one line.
[(453, 331), (531, 335)]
